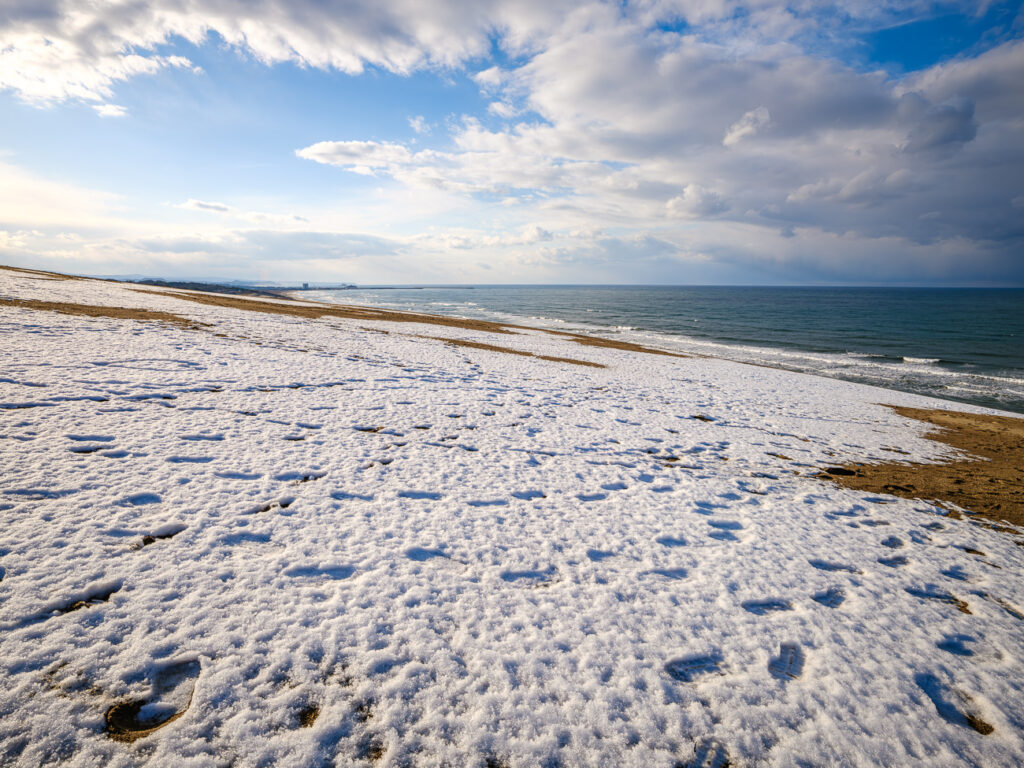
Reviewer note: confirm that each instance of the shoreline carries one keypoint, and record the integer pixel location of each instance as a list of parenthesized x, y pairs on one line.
[(895, 362)]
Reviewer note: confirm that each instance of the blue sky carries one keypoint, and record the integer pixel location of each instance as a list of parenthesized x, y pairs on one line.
[(516, 141)]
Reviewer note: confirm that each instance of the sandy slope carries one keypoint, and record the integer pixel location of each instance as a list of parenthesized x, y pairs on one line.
[(269, 539)]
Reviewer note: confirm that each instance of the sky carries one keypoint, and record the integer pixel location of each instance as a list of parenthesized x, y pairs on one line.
[(862, 142)]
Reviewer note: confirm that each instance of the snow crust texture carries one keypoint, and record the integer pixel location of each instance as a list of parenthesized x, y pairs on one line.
[(306, 543)]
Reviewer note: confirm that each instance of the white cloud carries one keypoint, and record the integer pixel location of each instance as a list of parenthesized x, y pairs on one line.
[(201, 205), (502, 109), (419, 124), (748, 125), (363, 157), (110, 110), (52, 50)]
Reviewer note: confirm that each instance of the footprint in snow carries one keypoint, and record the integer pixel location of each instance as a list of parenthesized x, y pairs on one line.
[(952, 704), (92, 443), (830, 598), (170, 697), (892, 542), (140, 499), (283, 503), (972, 551), (669, 573), (691, 668), (764, 607), (724, 530), (789, 664), (931, 592), (709, 754), (671, 541), (93, 596), (528, 495), (85, 449), (343, 496), (297, 478), (597, 555), (422, 554), (430, 495), (956, 572), (334, 572), (824, 565), (532, 578), (894, 562), (955, 644), (591, 496), (164, 532)]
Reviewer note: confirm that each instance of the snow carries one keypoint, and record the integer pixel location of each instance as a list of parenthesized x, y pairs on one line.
[(463, 557)]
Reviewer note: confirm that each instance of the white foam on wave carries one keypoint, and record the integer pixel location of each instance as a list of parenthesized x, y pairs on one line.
[(920, 360)]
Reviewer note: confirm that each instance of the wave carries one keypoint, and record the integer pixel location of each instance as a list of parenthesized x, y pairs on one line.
[(920, 360)]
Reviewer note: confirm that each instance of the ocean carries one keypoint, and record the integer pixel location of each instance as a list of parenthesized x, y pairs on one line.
[(965, 345)]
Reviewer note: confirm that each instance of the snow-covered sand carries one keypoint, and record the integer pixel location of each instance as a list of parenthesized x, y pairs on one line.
[(330, 545)]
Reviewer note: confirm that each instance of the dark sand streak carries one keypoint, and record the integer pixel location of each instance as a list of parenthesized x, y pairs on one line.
[(95, 310)]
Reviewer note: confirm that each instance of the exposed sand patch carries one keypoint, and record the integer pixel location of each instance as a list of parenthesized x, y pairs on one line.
[(626, 346), (510, 351), (93, 310), (988, 483)]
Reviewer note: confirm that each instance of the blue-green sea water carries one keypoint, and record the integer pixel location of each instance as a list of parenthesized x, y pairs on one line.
[(958, 344)]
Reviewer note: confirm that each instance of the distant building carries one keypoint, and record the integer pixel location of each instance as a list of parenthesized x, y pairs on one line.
[(305, 286)]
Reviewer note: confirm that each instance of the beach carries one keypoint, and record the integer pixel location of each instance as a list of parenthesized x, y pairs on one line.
[(279, 532)]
